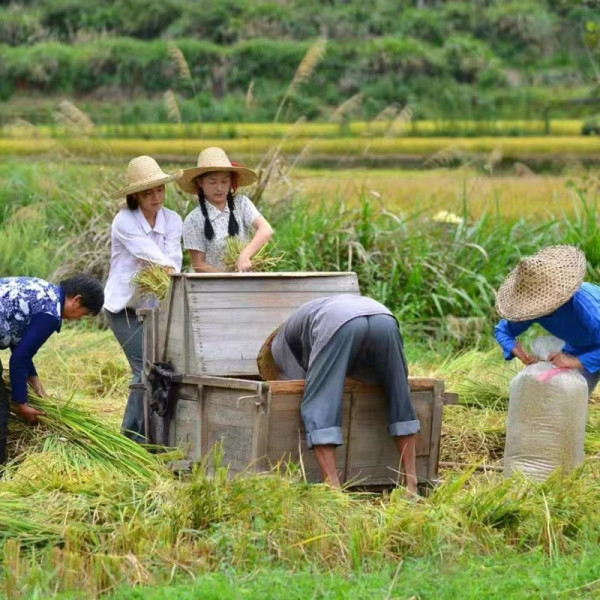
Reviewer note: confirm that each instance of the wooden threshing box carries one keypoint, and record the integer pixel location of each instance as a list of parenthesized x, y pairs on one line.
[(211, 328)]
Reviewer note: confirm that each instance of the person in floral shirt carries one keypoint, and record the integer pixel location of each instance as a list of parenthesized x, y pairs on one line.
[(31, 310)]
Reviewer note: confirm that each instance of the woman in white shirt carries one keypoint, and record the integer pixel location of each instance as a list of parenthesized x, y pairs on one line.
[(144, 232), (221, 213)]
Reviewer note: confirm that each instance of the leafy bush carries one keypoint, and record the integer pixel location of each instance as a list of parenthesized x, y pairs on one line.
[(19, 27)]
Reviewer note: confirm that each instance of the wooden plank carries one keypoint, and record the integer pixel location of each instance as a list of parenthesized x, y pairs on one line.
[(389, 476), (322, 285), (231, 419), (287, 436), (245, 302), (293, 386), (269, 275), (226, 382), (436, 429), (186, 428), (372, 450), (164, 313), (261, 430), (176, 329)]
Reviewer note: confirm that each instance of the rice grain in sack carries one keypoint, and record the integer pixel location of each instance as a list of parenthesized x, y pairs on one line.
[(547, 413)]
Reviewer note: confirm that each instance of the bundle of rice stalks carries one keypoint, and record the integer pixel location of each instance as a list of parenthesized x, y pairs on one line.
[(471, 435), (85, 441), (262, 261), (152, 280)]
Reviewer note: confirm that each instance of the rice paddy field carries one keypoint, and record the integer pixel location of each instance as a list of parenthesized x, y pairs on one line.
[(84, 514)]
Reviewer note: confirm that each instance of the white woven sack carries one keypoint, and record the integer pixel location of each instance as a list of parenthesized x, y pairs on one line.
[(546, 421)]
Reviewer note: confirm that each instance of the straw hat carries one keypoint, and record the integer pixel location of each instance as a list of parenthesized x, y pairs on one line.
[(541, 283), (211, 160), (267, 368), (143, 173)]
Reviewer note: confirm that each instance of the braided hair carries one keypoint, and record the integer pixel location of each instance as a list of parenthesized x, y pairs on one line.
[(233, 227)]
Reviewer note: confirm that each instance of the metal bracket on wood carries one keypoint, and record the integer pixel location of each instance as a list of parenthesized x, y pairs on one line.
[(258, 402)]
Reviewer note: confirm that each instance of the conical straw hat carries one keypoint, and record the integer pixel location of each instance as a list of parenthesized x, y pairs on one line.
[(211, 160), (541, 283), (267, 368), (143, 173)]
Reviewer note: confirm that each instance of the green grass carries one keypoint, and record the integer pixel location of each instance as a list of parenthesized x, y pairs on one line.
[(496, 577)]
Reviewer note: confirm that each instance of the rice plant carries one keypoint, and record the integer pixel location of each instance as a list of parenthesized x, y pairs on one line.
[(264, 260), (152, 281)]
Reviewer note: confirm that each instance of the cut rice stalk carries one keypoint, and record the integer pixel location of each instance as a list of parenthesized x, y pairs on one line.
[(91, 440), (262, 261), (152, 280)]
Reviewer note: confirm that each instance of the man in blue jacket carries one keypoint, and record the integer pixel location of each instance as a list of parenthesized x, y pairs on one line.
[(31, 310), (548, 288)]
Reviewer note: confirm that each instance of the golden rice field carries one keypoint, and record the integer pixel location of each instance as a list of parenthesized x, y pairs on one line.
[(456, 190), (432, 151)]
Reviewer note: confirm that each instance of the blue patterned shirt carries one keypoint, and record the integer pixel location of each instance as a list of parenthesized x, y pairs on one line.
[(30, 311)]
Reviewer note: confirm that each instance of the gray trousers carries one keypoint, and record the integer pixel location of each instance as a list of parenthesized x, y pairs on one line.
[(128, 331), (368, 348)]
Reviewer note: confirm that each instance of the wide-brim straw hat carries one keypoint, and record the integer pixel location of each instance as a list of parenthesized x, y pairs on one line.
[(267, 368), (212, 160), (143, 173), (541, 283)]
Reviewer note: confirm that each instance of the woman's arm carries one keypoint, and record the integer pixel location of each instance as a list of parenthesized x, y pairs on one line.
[(198, 260), (263, 233)]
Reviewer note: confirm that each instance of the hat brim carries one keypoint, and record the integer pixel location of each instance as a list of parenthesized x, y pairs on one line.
[(518, 305), (186, 182), (144, 185), (267, 368)]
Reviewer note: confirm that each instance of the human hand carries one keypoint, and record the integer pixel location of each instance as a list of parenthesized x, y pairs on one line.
[(524, 356), (169, 270), (37, 387), (243, 264), (565, 361), (28, 413)]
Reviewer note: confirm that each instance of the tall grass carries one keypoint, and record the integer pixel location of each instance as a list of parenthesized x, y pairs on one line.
[(425, 270)]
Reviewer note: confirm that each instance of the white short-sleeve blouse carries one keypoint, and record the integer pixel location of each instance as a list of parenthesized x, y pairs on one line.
[(193, 229)]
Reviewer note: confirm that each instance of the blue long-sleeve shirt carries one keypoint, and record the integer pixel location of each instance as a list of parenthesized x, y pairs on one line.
[(577, 322), (30, 311)]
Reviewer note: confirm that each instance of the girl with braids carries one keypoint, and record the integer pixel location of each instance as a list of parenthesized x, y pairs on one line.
[(221, 213)]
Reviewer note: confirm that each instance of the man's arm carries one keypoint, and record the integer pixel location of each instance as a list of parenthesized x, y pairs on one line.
[(506, 333), (22, 369)]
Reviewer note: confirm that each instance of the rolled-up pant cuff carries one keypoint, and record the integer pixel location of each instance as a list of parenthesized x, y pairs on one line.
[(325, 437), (404, 428)]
